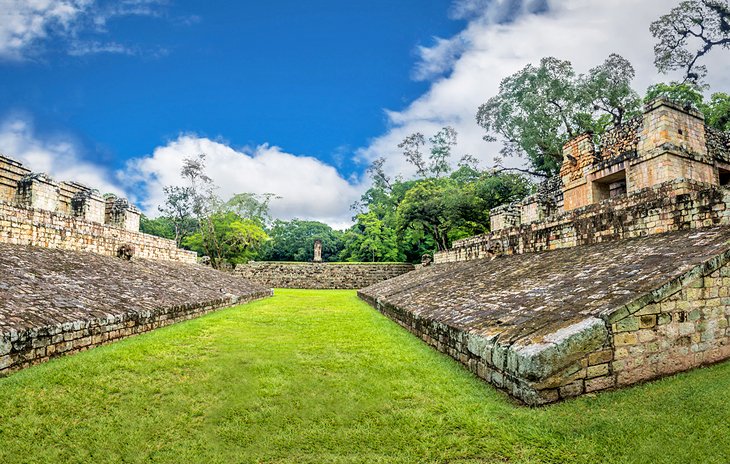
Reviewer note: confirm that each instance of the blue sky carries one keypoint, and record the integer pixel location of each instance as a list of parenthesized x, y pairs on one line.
[(289, 97), (311, 77)]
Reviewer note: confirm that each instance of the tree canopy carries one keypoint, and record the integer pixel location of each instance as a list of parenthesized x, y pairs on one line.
[(539, 108), (689, 32)]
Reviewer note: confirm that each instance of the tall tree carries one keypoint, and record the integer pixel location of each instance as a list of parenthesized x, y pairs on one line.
[(178, 207), (441, 144), (539, 108), (608, 88), (534, 113), (438, 159), (412, 147), (687, 33)]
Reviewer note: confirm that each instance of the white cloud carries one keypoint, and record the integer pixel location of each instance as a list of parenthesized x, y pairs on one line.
[(24, 22), (94, 47), (501, 37), (57, 156), (310, 189), (25, 25)]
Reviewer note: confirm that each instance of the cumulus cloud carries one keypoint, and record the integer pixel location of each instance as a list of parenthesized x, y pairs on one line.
[(308, 187), (500, 38), (57, 155)]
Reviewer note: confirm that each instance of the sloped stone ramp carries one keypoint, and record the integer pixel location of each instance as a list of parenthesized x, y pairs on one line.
[(553, 325), (55, 302)]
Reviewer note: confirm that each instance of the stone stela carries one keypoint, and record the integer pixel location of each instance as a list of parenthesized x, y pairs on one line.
[(317, 251)]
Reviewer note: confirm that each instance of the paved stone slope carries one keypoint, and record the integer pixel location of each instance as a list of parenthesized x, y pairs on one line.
[(528, 323), (57, 301)]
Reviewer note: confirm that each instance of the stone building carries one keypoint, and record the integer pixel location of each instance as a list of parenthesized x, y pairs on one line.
[(36, 210), (614, 273)]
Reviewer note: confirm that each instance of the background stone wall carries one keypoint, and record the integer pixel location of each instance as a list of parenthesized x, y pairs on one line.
[(320, 275), (676, 205), (48, 229)]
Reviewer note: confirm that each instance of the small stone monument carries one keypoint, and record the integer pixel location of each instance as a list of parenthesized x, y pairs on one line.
[(318, 251)]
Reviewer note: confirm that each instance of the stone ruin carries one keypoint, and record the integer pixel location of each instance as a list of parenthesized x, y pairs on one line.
[(71, 277), (616, 272), (36, 210), (25, 189)]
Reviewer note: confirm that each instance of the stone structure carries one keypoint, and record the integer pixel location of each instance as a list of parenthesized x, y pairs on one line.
[(37, 211), (616, 272), (317, 251), (320, 275), (656, 173), (57, 302), (548, 326)]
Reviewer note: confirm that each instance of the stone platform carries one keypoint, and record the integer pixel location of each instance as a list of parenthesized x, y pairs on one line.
[(557, 324), (55, 302), (349, 276)]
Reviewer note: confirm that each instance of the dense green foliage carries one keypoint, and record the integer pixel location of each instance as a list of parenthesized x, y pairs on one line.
[(160, 226), (320, 377), (539, 108), (716, 111), (294, 241), (237, 238)]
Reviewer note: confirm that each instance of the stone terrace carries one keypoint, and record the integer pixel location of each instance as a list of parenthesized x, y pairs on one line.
[(551, 325), (56, 302)]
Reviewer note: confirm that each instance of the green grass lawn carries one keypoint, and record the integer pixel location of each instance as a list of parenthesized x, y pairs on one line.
[(318, 376)]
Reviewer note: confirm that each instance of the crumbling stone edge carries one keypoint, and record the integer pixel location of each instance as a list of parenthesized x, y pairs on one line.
[(681, 325), (20, 349)]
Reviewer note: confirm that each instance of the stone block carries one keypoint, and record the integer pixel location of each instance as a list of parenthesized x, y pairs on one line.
[(599, 383)]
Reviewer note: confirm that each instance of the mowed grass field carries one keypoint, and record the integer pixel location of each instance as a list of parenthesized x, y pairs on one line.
[(319, 376)]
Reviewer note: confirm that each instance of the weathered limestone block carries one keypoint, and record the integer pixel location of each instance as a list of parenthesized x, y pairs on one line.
[(505, 216), (320, 275), (531, 210), (37, 191), (11, 172), (557, 350), (120, 213), (555, 325), (80, 201)]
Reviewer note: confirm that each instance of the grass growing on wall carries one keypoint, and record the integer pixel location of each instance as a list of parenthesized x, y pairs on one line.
[(318, 376)]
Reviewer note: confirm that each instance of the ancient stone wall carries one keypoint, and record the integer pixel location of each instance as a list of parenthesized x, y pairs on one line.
[(22, 226), (550, 326), (686, 329), (57, 302), (320, 275), (674, 205), (11, 172)]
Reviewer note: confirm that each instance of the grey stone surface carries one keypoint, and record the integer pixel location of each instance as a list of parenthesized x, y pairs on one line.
[(55, 302), (539, 325)]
